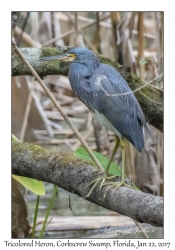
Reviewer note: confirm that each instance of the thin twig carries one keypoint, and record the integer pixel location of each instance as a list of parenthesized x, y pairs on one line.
[(26, 38), (51, 202), (26, 115), (87, 40), (70, 32), (140, 44), (76, 29), (86, 136), (57, 106), (141, 229), (147, 83), (114, 35), (97, 36), (52, 26), (70, 17), (35, 216), (23, 28), (102, 24), (131, 25)]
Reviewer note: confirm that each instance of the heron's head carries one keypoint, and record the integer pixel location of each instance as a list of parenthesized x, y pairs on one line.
[(78, 55)]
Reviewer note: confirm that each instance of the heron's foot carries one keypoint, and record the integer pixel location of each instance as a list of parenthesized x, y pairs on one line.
[(115, 185), (101, 179)]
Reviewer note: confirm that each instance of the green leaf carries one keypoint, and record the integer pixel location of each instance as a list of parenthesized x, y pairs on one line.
[(50, 205), (81, 153), (143, 61), (35, 186), (14, 138)]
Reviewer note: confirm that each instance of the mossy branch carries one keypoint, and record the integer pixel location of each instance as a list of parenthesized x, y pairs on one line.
[(73, 175), (150, 98)]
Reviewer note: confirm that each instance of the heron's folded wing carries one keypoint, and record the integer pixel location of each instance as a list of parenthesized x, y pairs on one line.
[(122, 111)]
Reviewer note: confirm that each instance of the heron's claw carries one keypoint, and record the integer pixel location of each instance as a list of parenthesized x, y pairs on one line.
[(116, 185), (97, 180)]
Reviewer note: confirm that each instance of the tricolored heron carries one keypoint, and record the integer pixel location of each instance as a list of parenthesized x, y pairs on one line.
[(99, 86)]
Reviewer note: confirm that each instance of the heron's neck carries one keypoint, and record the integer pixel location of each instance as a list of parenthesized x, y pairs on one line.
[(91, 62)]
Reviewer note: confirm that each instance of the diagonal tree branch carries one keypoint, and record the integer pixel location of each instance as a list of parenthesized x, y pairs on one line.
[(150, 98), (73, 175)]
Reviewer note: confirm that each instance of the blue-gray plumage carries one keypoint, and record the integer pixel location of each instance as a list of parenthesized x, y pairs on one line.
[(97, 86)]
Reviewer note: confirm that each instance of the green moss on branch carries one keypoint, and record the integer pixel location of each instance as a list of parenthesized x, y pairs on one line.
[(150, 99)]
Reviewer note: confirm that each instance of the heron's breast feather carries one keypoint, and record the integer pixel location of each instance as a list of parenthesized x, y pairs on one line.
[(105, 122)]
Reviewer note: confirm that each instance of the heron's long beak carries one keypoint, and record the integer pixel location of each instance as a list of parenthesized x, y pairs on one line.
[(64, 57)]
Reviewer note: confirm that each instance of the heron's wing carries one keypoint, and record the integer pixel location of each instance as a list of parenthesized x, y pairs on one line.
[(122, 111)]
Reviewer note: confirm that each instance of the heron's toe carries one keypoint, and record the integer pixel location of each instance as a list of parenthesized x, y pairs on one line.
[(115, 185)]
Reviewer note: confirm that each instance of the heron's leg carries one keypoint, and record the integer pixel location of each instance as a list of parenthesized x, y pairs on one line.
[(117, 141), (122, 144), (122, 182), (105, 175)]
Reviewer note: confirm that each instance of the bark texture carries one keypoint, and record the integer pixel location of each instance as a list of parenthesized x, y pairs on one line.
[(73, 175)]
